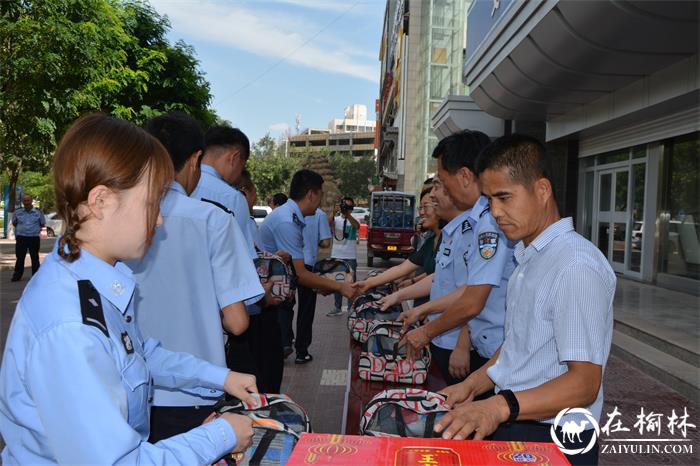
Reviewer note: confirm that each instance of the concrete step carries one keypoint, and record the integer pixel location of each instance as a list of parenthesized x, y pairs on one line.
[(665, 368), (668, 343)]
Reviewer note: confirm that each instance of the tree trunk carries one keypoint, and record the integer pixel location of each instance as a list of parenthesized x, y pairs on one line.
[(14, 177)]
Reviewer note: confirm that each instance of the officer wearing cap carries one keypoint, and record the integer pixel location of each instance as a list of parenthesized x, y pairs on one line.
[(283, 230), (481, 261), (185, 294)]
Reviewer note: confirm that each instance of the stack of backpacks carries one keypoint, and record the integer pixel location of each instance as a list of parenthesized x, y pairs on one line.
[(380, 332)]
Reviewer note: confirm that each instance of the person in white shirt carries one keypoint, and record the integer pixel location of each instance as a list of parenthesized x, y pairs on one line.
[(344, 228)]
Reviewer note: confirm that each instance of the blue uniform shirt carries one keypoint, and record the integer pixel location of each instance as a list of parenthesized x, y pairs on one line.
[(282, 230), (560, 309), (212, 187), (70, 394), (28, 223), (450, 270), (489, 261), (316, 229), (181, 290)]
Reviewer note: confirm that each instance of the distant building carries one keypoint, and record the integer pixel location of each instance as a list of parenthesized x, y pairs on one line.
[(612, 89), (354, 121), (421, 54), (353, 134)]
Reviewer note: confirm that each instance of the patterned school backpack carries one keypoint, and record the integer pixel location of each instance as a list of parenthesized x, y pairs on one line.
[(403, 412), (274, 269), (382, 360), (334, 269), (366, 313), (278, 422)]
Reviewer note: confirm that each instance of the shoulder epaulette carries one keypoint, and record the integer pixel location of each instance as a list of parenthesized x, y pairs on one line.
[(295, 219), (219, 205), (483, 212), (466, 226), (91, 306)]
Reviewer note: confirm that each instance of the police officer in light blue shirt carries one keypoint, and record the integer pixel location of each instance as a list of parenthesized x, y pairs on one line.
[(483, 260), (225, 157), (317, 232), (195, 276), (283, 230), (77, 376), (559, 323), (28, 223)]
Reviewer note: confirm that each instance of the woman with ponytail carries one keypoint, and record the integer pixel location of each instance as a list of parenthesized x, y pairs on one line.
[(77, 377)]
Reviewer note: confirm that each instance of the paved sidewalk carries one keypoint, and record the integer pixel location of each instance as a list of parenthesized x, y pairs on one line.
[(320, 385)]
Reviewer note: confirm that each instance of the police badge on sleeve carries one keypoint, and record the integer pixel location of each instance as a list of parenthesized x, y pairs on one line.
[(488, 244)]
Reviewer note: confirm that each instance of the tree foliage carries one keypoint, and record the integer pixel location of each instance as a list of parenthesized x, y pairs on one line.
[(353, 175), (62, 58)]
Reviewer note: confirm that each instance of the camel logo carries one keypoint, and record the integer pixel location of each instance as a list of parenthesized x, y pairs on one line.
[(571, 431)]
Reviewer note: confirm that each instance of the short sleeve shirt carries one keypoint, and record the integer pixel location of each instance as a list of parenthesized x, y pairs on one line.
[(28, 223), (54, 349), (282, 230), (213, 271), (316, 229), (346, 246), (560, 309), (490, 261), (213, 188), (425, 256), (451, 270)]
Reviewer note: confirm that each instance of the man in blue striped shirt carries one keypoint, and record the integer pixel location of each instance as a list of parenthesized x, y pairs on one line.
[(559, 317)]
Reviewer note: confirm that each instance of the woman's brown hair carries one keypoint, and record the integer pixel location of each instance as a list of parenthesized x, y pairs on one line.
[(102, 150)]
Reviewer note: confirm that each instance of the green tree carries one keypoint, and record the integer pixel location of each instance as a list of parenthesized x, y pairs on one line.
[(272, 174), (265, 147), (167, 77), (353, 175), (56, 58), (62, 58)]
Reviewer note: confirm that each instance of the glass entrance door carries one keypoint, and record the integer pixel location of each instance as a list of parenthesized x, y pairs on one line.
[(613, 220)]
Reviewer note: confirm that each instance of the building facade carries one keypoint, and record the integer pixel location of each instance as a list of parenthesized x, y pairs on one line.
[(613, 88), (354, 134), (421, 56)]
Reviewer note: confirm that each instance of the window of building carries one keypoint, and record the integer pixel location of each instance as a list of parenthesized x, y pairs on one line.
[(680, 211)]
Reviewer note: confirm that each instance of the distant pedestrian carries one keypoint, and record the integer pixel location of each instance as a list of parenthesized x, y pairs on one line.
[(344, 227), (277, 200), (28, 223)]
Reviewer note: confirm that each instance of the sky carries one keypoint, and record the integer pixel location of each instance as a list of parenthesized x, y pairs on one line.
[(269, 60)]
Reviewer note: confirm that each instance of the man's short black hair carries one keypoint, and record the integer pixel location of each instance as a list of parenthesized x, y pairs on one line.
[(460, 150), (524, 157), (279, 199), (428, 180), (425, 192), (304, 181), (181, 135), (227, 136), (245, 181)]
